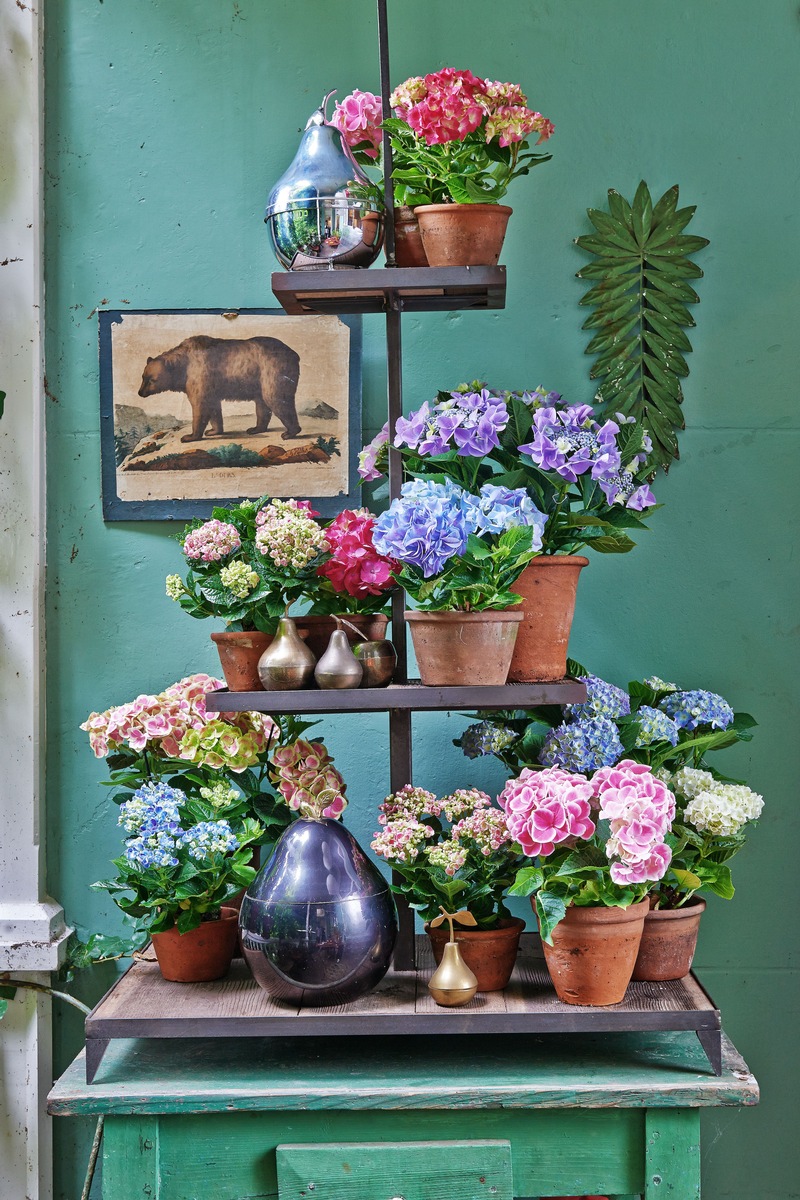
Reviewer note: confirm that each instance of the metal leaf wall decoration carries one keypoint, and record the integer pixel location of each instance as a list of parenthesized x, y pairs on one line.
[(640, 292)]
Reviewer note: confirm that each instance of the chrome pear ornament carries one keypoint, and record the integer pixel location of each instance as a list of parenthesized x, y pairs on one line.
[(287, 663), (452, 983), (338, 667), (314, 219)]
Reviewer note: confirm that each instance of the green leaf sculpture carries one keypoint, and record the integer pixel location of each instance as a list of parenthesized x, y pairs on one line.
[(640, 292)]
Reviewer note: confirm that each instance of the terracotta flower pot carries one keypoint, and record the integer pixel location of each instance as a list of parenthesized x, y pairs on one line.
[(593, 953), (489, 953), (463, 235), (316, 631), (239, 653), (548, 587), (668, 942), (408, 248), (464, 648), (202, 954)]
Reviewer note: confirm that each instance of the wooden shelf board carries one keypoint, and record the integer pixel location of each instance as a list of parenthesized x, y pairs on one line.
[(380, 289), (144, 1005), (412, 696)]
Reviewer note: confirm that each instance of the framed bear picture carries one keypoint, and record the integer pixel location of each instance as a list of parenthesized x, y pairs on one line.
[(204, 407)]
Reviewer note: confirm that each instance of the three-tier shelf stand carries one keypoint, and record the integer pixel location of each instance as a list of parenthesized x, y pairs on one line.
[(142, 1004)]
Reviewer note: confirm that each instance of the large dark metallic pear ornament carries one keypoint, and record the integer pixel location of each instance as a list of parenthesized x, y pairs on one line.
[(318, 923), (338, 667), (452, 983), (287, 663), (314, 219)]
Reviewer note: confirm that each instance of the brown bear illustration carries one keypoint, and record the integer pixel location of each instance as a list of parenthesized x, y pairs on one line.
[(210, 370)]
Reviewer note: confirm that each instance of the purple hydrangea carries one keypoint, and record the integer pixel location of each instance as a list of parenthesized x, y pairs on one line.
[(690, 709), (468, 422), (570, 442), (655, 726), (620, 487), (602, 700), (373, 456), (424, 527), (583, 745)]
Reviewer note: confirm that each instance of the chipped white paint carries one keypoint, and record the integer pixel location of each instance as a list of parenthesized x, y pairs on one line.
[(32, 932)]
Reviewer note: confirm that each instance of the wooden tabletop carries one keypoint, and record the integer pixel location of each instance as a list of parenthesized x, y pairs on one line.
[(631, 1070)]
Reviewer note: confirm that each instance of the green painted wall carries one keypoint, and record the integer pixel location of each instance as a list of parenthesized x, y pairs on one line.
[(168, 122)]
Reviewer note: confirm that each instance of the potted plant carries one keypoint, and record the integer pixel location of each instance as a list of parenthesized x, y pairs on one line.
[(247, 565), (595, 849), (589, 481), (455, 853), (353, 581), (457, 143), (671, 730), (459, 556), (184, 858)]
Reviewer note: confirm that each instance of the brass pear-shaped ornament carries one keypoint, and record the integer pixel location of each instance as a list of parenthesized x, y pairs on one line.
[(287, 663), (338, 667), (452, 983)]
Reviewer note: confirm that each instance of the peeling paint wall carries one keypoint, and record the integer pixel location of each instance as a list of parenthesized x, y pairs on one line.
[(168, 123)]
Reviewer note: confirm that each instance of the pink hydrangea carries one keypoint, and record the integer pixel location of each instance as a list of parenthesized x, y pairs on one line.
[(355, 566), (514, 122), (307, 779), (402, 840), (211, 542), (407, 802), (547, 808), (358, 118), (373, 452), (639, 808), (486, 827)]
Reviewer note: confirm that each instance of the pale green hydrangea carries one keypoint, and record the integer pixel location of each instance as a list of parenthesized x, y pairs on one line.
[(238, 577), (724, 810), (175, 587)]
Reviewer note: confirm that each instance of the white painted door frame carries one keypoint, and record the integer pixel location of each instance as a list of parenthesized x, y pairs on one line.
[(32, 930)]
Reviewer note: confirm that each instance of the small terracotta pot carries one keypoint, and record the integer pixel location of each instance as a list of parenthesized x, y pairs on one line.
[(202, 954), (239, 653), (408, 248), (316, 631), (489, 953), (548, 587), (593, 953), (464, 648), (668, 942), (463, 235)]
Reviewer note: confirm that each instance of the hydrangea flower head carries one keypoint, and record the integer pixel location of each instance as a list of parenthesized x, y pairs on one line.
[(484, 738), (156, 850), (408, 802), (450, 855), (497, 509), (288, 535), (723, 809), (308, 780), (372, 459), (174, 587), (570, 442), (547, 808), (639, 808), (239, 578), (425, 527), (355, 567), (655, 726), (208, 838), (402, 840), (660, 685), (358, 118), (486, 828), (211, 541), (153, 808), (690, 709), (602, 700), (582, 745)]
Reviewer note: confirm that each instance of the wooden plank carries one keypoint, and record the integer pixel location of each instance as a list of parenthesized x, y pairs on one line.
[(470, 1170), (672, 1153), (328, 1074), (380, 290), (131, 1158), (402, 696), (425, 1005), (395, 991)]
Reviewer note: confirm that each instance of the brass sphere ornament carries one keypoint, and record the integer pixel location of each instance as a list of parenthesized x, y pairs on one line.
[(378, 659), (452, 983)]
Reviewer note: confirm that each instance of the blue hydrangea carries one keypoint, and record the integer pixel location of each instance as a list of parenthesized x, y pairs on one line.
[(690, 709), (583, 745), (157, 850), (485, 738), (425, 527), (602, 700), (209, 837), (655, 726), (497, 509), (153, 808)]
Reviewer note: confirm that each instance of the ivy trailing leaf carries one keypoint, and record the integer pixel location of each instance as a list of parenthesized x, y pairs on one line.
[(640, 292)]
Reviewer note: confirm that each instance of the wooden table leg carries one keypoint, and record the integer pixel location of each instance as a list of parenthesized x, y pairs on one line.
[(672, 1154), (130, 1158)]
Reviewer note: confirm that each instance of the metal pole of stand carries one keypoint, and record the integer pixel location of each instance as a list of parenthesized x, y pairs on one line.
[(399, 721)]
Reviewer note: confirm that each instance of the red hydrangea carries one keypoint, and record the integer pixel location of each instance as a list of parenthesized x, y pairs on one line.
[(355, 566)]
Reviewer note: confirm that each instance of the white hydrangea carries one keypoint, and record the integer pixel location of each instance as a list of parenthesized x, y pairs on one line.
[(690, 782), (723, 810)]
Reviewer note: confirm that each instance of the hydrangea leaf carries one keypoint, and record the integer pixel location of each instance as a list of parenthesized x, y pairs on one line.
[(640, 295)]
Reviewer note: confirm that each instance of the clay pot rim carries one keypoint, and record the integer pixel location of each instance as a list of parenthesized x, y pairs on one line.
[(318, 618), (556, 560), (482, 207), (693, 909), (446, 618), (234, 634), (506, 929), (203, 924), (608, 914)]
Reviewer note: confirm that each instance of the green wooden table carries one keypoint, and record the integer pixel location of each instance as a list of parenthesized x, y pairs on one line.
[(457, 1118)]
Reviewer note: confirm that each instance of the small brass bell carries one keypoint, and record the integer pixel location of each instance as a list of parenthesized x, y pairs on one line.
[(452, 983), (287, 663), (338, 667)]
